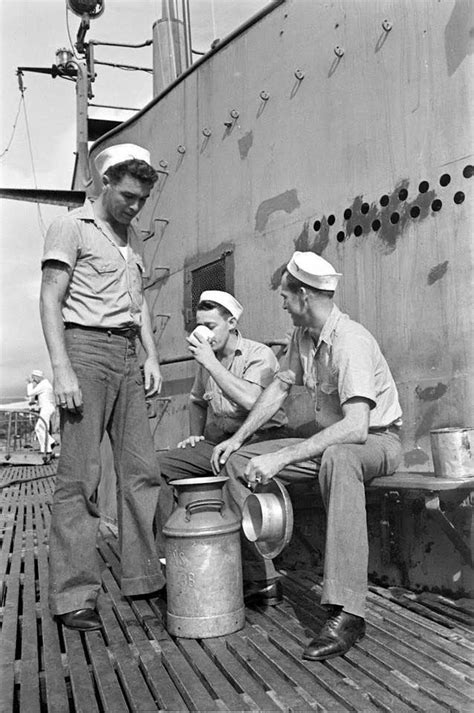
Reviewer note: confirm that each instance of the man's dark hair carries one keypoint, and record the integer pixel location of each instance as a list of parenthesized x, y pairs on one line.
[(294, 285), (134, 167), (207, 305)]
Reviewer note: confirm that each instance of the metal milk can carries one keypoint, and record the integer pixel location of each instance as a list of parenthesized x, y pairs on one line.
[(203, 562)]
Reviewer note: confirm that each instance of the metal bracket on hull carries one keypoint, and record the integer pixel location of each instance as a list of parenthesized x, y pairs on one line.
[(391, 531), (159, 323), (160, 273), (429, 486), (432, 505), (152, 407), (151, 233)]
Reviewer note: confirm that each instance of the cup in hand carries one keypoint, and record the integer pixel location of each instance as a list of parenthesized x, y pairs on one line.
[(202, 332)]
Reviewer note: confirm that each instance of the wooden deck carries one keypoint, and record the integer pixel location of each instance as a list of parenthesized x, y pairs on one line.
[(417, 655)]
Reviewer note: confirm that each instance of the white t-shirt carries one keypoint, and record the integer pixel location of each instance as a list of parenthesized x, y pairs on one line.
[(44, 391)]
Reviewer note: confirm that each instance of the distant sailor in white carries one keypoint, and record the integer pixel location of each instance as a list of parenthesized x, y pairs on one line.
[(40, 392)]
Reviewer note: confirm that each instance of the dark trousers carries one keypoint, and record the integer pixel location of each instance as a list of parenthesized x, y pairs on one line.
[(112, 388)]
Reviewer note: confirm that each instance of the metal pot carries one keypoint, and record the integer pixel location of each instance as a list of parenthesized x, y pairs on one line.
[(453, 452), (203, 562)]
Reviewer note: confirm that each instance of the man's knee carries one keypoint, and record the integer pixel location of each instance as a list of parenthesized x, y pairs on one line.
[(236, 464), (341, 459)]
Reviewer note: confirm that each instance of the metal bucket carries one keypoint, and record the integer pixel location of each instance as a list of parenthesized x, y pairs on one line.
[(203, 562), (453, 452)]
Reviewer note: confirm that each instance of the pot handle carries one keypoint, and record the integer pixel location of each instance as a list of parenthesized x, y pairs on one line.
[(202, 506)]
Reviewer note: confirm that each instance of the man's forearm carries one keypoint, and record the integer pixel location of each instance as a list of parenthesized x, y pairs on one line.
[(265, 407), (244, 393), (352, 428), (146, 333), (53, 330)]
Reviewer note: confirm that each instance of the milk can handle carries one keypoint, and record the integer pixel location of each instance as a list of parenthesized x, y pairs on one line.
[(203, 505)]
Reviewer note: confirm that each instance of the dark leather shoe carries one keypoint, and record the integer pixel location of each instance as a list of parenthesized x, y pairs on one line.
[(338, 634), (263, 593), (81, 620)]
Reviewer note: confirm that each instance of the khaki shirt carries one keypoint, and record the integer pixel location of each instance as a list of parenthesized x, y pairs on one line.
[(105, 289), (345, 363), (251, 361)]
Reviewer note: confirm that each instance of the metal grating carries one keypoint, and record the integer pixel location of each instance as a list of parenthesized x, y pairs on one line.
[(212, 271), (207, 277)]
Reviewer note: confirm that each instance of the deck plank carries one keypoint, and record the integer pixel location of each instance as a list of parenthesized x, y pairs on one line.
[(425, 688), (53, 669), (138, 694), (187, 682), (417, 655), (81, 678), (286, 633), (256, 697), (149, 659), (288, 666), (8, 509), (204, 667), (278, 687), (10, 639), (29, 663), (111, 696)]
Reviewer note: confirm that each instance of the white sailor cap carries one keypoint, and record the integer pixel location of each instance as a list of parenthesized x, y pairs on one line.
[(225, 300), (38, 373), (313, 270), (116, 154)]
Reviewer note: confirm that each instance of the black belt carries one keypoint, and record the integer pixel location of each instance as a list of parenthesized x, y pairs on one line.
[(386, 429), (129, 332)]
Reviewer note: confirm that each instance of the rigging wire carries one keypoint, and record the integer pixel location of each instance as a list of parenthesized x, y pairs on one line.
[(213, 20), (40, 216), (69, 32), (126, 67), (14, 128)]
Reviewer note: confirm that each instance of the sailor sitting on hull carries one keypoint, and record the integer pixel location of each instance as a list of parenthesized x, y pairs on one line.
[(357, 422), (232, 372)]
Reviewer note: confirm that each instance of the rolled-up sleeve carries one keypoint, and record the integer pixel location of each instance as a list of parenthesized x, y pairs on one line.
[(291, 369), (61, 242), (261, 367), (353, 358)]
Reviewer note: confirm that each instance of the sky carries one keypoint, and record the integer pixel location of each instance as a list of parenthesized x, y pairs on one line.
[(37, 136)]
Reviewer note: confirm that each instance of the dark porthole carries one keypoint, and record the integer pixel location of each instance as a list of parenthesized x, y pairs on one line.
[(423, 187), (459, 197), (415, 211), (340, 236), (316, 225), (364, 208), (403, 194), (331, 219), (445, 179), (394, 218), (376, 225), (384, 200), (468, 172), (436, 205), (358, 230), (347, 214)]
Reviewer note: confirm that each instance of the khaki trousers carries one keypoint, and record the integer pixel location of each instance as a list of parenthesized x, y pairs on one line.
[(342, 471)]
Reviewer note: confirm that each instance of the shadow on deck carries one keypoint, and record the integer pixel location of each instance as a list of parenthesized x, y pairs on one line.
[(417, 655)]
